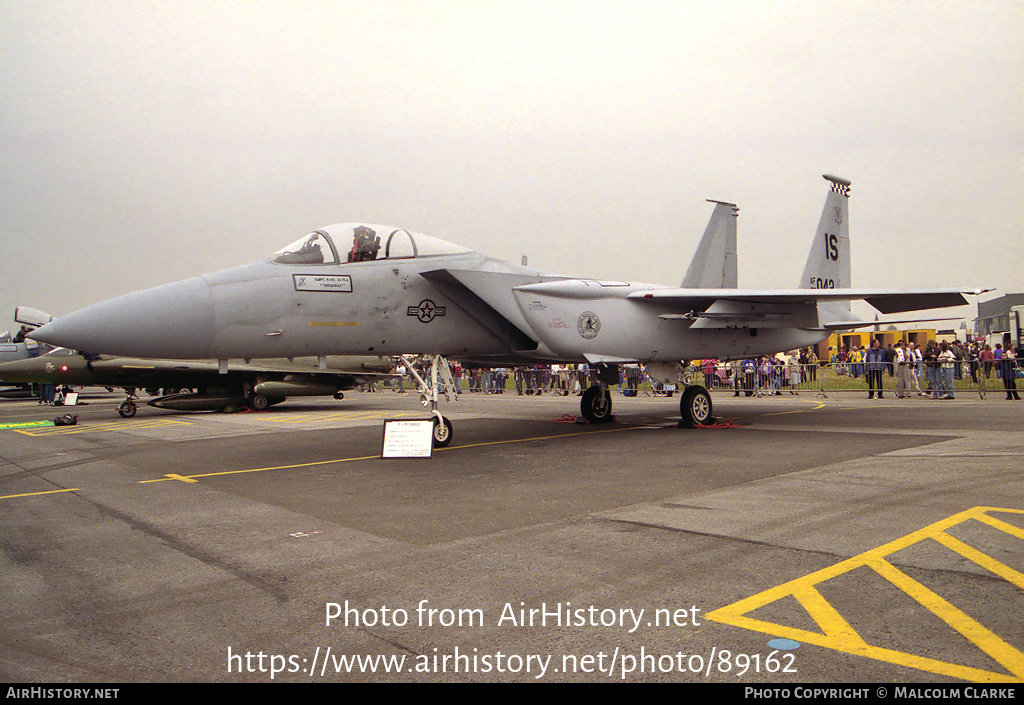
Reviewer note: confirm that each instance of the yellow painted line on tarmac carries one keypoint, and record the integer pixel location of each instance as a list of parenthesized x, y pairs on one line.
[(99, 428), (796, 411), (836, 633), (33, 494), (542, 438), (333, 324), (192, 478), (336, 416)]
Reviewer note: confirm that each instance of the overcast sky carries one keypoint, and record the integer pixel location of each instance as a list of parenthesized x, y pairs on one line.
[(144, 142)]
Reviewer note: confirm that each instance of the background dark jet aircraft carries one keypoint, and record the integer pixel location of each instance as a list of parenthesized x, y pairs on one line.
[(191, 385), (15, 346), (355, 288)]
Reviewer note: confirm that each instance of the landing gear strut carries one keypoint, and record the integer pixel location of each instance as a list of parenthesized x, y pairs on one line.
[(439, 372)]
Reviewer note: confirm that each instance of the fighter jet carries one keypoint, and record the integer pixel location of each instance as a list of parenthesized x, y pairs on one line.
[(255, 384), (357, 288), (17, 347)]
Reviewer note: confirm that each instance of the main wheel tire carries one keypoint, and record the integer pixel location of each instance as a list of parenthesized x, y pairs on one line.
[(695, 407), (595, 408), (127, 409), (442, 432), (258, 402)]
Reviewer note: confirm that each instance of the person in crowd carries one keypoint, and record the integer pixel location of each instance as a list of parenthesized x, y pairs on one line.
[(874, 364), (749, 376), (855, 359), (812, 365), (971, 356), (709, 373), (915, 368), (958, 352), (890, 359), (736, 376), (1008, 371), (947, 361), (902, 362), (793, 371), (398, 383), (930, 357), (987, 358), (456, 369)]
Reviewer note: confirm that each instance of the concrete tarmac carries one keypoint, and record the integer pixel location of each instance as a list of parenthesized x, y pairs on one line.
[(814, 540)]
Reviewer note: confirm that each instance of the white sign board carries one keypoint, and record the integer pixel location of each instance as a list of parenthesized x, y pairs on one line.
[(405, 438)]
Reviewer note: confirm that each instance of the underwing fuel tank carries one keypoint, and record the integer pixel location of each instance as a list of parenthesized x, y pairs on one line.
[(285, 388), (196, 402)]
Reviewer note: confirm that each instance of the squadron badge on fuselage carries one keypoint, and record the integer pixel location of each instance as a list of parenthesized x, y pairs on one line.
[(588, 324)]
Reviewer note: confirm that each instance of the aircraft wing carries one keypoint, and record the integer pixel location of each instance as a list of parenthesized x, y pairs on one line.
[(801, 308), (885, 300)]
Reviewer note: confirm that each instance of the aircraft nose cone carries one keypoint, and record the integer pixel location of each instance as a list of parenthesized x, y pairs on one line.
[(170, 321)]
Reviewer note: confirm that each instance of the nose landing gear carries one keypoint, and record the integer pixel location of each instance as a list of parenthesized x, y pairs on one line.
[(439, 372)]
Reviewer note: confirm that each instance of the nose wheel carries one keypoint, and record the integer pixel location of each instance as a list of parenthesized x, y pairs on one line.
[(442, 431), (128, 408)]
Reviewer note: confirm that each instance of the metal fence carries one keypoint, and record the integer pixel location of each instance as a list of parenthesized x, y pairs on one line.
[(763, 378), (933, 379)]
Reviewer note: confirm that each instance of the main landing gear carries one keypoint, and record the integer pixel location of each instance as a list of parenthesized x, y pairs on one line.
[(596, 404), (695, 407), (439, 372)]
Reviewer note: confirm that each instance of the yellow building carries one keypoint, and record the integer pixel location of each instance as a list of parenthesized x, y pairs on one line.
[(863, 339)]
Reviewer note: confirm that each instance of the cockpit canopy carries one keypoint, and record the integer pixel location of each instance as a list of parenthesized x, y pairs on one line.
[(61, 352), (357, 242)]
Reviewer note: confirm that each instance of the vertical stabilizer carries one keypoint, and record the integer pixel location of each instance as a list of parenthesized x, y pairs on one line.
[(714, 264), (828, 265)]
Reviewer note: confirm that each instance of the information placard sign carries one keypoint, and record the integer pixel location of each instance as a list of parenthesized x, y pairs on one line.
[(408, 438)]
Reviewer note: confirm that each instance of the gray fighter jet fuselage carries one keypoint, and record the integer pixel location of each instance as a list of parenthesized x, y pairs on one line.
[(356, 288)]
